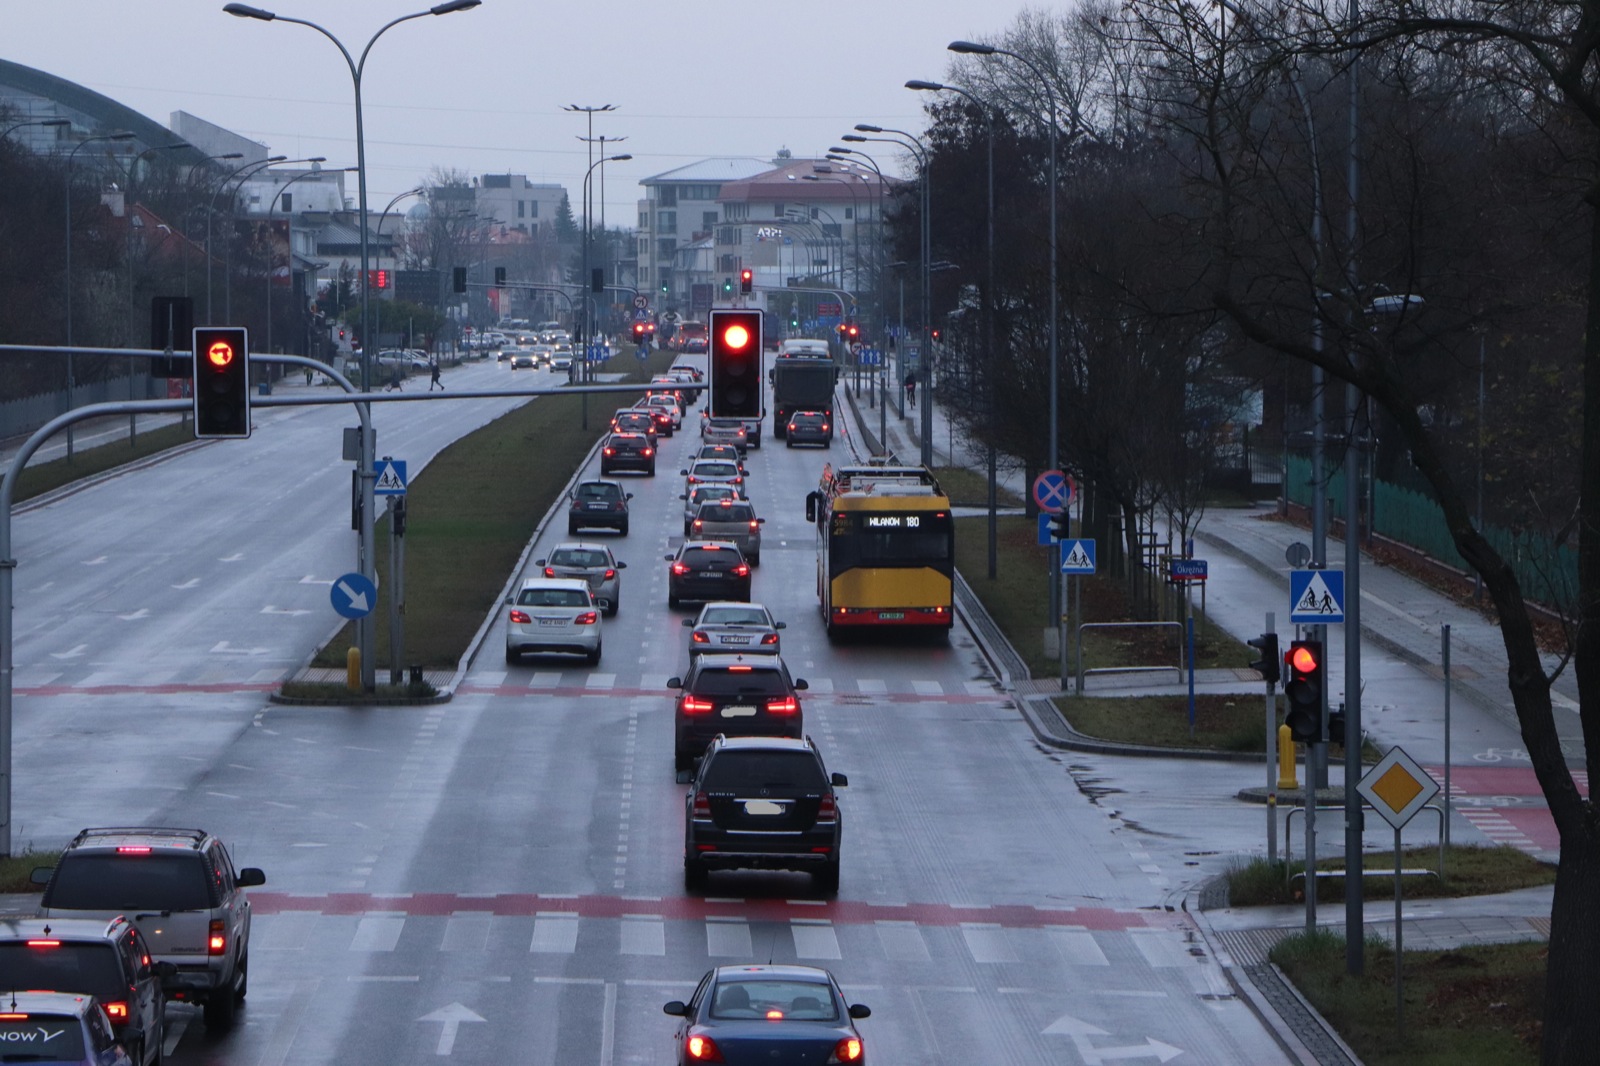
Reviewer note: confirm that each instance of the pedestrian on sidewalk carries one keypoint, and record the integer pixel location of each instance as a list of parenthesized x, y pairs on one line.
[(435, 380)]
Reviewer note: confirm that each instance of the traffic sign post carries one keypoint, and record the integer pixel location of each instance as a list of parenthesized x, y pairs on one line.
[(641, 301)]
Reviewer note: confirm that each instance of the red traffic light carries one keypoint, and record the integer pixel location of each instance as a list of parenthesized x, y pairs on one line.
[(735, 337), (747, 280), (638, 329), (1302, 659), (220, 354)]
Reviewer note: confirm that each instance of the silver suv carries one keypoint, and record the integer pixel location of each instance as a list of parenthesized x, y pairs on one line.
[(733, 520), (181, 889)]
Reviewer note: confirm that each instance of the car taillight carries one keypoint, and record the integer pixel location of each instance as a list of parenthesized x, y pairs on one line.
[(549, 571), (610, 574), (847, 1050), (217, 941), (680, 569), (754, 525), (692, 705), (824, 427), (702, 1049), (699, 523), (587, 618), (698, 637), (647, 452), (770, 638), (608, 451), (827, 810), (791, 427), (738, 480), (742, 570), (117, 1010), (44, 943), (786, 706), (692, 479), (702, 805), (521, 618)]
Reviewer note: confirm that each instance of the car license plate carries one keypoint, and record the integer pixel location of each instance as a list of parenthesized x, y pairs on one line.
[(766, 807), (891, 614), (735, 640), (712, 573), (598, 506), (552, 621), (739, 711)]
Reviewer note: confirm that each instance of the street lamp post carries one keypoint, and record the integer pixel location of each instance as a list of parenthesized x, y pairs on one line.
[(121, 135), (271, 205), (585, 286), (988, 318), (1054, 458), (364, 627), (223, 184), (9, 130), (227, 272), (838, 154)]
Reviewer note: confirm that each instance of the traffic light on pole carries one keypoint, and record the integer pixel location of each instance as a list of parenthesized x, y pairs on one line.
[(1269, 665), (459, 276), (1303, 690), (727, 285), (735, 364), (221, 382), (1061, 526), (747, 281)]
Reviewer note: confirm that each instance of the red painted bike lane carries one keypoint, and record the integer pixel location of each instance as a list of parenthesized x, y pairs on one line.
[(1506, 804)]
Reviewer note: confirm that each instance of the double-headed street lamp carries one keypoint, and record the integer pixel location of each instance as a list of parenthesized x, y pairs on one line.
[(1054, 458), (227, 273), (254, 165), (364, 627), (586, 286)]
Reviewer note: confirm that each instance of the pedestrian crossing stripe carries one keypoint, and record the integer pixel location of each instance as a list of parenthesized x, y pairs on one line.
[(1316, 596)]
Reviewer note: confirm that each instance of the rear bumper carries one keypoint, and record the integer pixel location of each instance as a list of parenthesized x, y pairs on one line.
[(879, 617), (720, 850)]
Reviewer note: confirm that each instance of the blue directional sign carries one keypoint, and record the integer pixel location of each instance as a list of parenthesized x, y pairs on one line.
[(1077, 556), (1316, 597), (1188, 569), (353, 595), (391, 474), (1047, 535)]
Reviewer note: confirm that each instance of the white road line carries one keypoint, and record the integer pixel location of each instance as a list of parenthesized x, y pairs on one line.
[(555, 933)]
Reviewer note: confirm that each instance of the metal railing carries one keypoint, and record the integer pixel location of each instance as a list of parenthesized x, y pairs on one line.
[(1082, 673), (1288, 844)]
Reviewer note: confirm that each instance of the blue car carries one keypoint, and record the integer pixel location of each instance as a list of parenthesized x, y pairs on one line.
[(768, 1015)]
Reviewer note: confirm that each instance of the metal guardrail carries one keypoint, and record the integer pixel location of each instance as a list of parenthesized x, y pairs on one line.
[(1288, 844), (1082, 673)]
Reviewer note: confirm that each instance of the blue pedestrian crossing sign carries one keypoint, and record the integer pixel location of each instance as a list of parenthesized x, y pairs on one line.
[(1316, 597), (1077, 556), (391, 475)]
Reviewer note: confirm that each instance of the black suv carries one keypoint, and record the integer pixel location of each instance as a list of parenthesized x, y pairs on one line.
[(104, 958), (742, 696), (628, 451), (601, 504), (762, 803), (809, 427), (706, 570), (181, 889), (633, 420)]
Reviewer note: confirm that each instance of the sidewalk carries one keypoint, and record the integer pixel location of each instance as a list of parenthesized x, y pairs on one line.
[(1402, 686)]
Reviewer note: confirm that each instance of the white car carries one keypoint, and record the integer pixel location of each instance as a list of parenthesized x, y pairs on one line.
[(561, 359), (727, 626), (553, 615), (668, 404)]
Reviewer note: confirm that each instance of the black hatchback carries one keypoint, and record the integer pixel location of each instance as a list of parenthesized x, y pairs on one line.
[(735, 695), (704, 570), (598, 504), (764, 803), (628, 451)]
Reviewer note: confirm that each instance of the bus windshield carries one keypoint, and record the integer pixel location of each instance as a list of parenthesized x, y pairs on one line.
[(890, 538)]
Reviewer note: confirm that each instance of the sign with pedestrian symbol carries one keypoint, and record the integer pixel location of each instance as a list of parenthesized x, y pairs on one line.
[(391, 474), (1316, 597), (1077, 557)]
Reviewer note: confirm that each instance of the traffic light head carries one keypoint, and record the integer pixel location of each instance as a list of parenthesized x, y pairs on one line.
[(735, 364), (459, 277), (638, 331), (1269, 663), (1303, 690), (221, 382), (747, 280), (852, 331), (727, 285), (1061, 526)]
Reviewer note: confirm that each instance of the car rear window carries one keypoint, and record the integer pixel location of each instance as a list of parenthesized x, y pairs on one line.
[(86, 881), (598, 492), (578, 557), (735, 771), (25, 1038), (737, 512), (710, 493), (715, 469), (733, 616), (720, 681), (87, 967), (800, 1000), (553, 598), (722, 558)]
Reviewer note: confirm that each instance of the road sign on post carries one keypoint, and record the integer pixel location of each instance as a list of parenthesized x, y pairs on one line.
[(353, 596), (1077, 556), (391, 477), (1052, 491), (1316, 597)]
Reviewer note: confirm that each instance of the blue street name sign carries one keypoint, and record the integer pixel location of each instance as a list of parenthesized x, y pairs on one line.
[(1188, 569)]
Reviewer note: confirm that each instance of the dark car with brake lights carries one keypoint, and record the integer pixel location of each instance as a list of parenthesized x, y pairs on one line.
[(730, 520), (736, 695), (636, 420), (598, 505), (808, 427), (707, 570), (628, 451), (785, 1015)]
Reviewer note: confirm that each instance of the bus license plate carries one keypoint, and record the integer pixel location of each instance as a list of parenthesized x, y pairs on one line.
[(891, 615)]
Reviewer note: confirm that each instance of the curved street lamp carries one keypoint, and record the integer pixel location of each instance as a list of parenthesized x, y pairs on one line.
[(223, 184), (584, 282), (227, 274), (9, 130), (271, 204)]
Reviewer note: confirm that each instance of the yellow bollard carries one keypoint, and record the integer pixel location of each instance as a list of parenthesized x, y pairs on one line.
[(352, 670), (1286, 774)]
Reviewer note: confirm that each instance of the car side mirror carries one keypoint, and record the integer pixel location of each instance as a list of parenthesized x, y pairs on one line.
[(688, 623), (677, 1009), (761, 521), (250, 875), (510, 601), (538, 562), (838, 781), (130, 1036), (811, 507), (683, 473), (674, 682), (628, 496), (780, 625), (860, 1010), (621, 565), (800, 684), (668, 558), (683, 495), (41, 875)]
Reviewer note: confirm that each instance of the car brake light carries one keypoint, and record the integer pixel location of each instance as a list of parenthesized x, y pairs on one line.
[(693, 705), (610, 574), (703, 1049), (824, 427), (587, 618), (521, 618), (549, 571), (699, 523), (217, 942), (117, 1010), (698, 637), (738, 480), (44, 943), (647, 452), (742, 570), (727, 503), (13, 1017), (770, 638), (754, 525), (133, 849), (846, 1050), (608, 451), (827, 810), (786, 706), (774, 1015), (680, 569), (702, 805), (791, 427)]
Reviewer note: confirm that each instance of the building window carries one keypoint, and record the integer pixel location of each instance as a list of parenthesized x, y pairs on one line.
[(644, 220), (708, 219), (669, 195), (666, 248), (522, 209), (533, 208), (814, 212), (667, 221), (849, 213), (777, 210)]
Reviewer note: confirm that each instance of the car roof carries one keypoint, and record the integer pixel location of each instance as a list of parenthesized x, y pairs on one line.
[(569, 545), (153, 836), (710, 542), (48, 1002), (721, 660), (554, 583), (772, 972), (733, 603), (60, 928), (601, 481)]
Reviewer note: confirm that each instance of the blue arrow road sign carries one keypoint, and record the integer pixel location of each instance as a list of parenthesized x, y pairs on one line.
[(1077, 556), (353, 595), (1316, 597), (391, 474), (1047, 535)]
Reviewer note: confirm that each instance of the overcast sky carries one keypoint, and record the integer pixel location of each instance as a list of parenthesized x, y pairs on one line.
[(482, 91)]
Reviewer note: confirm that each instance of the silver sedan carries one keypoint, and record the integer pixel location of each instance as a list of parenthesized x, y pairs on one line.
[(727, 626)]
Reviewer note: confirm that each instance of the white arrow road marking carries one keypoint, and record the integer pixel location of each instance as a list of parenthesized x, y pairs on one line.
[(358, 601), (95, 562), (1081, 1031), (309, 580), (191, 583), (143, 612), (235, 557), (452, 1017), (73, 654), (269, 609), (224, 648)]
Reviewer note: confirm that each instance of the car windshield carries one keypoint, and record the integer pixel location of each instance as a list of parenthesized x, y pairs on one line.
[(23, 1038), (87, 967), (723, 681), (585, 557), (800, 1000), (733, 616), (105, 882), (553, 598), (598, 492)]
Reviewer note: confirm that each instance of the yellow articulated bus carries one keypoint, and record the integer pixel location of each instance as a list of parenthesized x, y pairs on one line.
[(885, 548)]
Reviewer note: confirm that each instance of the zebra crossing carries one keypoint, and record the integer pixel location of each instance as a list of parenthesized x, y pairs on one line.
[(580, 682)]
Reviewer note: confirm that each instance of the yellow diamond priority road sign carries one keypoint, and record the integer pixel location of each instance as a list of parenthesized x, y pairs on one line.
[(1397, 787)]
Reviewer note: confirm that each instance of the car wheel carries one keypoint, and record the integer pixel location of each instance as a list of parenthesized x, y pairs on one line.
[(512, 657), (828, 879), (650, 471), (788, 442), (623, 529), (616, 604), (682, 760), (694, 874), (755, 560), (594, 657), (220, 1010), (159, 1043), (572, 529), (604, 469), (242, 989)]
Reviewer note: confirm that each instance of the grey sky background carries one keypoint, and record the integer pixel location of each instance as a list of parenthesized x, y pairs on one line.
[(482, 91)]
